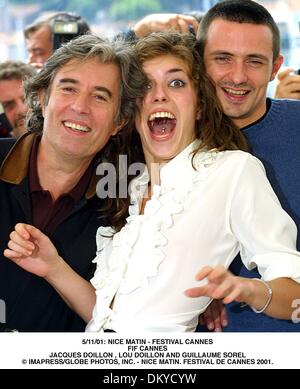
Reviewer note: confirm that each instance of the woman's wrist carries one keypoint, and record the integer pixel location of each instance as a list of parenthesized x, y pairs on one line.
[(56, 270), (261, 295)]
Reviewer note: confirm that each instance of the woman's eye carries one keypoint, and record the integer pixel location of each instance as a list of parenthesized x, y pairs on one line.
[(177, 83)]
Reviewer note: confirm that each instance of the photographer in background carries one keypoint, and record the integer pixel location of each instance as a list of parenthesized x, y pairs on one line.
[(12, 106), (46, 34), (288, 86)]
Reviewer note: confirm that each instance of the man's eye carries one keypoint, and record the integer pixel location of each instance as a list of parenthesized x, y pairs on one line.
[(100, 98), (8, 106), (37, 51), (68, 89), (222, 59), (149, 85), (255, 62), (177, 83)]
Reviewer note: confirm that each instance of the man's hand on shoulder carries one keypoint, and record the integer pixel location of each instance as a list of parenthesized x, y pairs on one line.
[(214, 317)]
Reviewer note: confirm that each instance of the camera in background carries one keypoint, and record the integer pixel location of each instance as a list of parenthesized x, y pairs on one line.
[(67, 26)]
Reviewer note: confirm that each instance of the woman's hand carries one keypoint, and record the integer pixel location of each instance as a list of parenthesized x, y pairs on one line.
[(32, 250), (221, 284)]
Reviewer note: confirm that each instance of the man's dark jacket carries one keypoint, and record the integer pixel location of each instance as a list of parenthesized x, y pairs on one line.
[(31, 303)]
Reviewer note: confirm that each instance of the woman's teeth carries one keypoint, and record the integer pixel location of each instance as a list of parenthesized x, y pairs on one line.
[(159, 115)]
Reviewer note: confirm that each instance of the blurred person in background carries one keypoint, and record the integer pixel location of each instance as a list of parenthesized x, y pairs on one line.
[(12, 75), (288, 85), (46, 32)]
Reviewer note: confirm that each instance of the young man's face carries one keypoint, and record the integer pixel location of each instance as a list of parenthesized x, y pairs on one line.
[(79, 116), (12, 99), (239, 59), (39, 46)]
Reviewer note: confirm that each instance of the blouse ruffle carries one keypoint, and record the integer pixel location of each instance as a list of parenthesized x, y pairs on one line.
[(115, 271)]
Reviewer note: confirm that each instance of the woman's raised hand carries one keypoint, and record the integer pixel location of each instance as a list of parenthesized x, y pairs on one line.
[(221, 284), (32, 250)]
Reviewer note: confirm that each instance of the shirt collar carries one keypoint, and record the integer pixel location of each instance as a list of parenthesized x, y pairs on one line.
[(180, 166), (34, 183), (15, 166), (179, 170)]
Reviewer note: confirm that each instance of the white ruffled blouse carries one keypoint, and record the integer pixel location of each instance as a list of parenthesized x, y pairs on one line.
[(196, 217)]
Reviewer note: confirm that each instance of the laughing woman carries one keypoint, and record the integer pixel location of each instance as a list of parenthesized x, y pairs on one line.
[(199, 201)]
